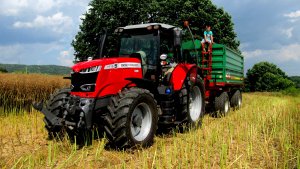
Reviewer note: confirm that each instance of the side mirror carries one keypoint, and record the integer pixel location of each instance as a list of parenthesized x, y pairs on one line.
[(177, 36)]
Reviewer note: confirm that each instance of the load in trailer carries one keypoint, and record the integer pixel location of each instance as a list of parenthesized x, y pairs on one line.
[(149, 83)]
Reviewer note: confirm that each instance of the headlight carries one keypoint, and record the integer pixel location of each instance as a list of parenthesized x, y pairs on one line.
[(88, 87), (91, 69)]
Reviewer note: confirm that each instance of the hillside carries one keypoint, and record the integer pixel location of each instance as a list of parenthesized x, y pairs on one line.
[(44, 69)]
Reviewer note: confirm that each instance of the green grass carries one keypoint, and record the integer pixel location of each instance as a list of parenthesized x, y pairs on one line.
[(265, 133)]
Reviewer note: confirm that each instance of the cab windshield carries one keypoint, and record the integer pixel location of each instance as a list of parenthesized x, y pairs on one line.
[(136, 43)]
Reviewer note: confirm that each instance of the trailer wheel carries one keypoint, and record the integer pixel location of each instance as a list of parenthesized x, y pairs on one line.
[(222, 104), (131, 119), (192, 103), (236, 100), (55, 104)]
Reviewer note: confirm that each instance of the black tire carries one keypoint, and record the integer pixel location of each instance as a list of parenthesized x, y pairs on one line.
[(236, 100), (222, 104), (190, 117), (55, 105), (119, 121)]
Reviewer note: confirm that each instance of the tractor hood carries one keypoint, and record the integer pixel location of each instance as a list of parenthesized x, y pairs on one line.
[(103, 62)]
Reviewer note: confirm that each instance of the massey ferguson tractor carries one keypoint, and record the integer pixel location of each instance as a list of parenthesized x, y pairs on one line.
[(154, 80)]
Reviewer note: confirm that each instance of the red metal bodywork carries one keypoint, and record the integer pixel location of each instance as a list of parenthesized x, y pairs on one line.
[(179, 75), (111, 78)]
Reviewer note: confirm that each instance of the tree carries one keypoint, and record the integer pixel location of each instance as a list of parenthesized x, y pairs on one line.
[(296, 80), (265, 76), (3, 70), (111, 14)]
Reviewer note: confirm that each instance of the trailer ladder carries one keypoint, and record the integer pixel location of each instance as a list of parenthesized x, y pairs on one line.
[(206, 63)]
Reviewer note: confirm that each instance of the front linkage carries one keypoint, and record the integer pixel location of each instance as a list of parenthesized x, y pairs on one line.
[(74, 115)]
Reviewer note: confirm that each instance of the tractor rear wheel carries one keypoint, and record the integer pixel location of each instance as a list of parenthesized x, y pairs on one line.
[(236, 100), (222, 104), (192, 103), (131, 119), (55, 105)]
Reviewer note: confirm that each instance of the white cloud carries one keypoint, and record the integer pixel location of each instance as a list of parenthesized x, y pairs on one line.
[(37, 53), (66, 58), (288, 32), (16, 7), (45, 5), (11, 53), (19, 7), (57, 22), (34, 53), (12, 7), (295, 14), (285, 53)]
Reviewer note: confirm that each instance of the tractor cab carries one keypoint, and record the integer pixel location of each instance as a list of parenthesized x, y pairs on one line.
[(156, 45)]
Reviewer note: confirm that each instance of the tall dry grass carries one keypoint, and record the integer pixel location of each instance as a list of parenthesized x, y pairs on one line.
[(264, 133), (18, 91)]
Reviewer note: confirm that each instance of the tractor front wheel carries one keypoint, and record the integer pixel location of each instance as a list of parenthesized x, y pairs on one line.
[(55, 105), (131, 119)]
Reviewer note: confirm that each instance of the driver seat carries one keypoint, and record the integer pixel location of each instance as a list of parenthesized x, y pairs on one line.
[(142, 56)]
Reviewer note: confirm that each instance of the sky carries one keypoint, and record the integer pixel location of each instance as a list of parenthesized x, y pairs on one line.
[(41, 31)]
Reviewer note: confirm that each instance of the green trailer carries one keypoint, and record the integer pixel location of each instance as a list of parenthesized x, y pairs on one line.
[(227, 66), (222, 71)]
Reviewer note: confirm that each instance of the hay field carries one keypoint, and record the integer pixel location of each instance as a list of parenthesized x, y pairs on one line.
[(18, 91)]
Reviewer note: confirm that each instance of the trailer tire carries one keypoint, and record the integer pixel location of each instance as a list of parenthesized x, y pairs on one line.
[(222, 105), (236, 100), (189, 97), (131, 119), (55, 105)]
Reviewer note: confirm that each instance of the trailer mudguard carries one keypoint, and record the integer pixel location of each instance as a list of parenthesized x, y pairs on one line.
[(180, 73)]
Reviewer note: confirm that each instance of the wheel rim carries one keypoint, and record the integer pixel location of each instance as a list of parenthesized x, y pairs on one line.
[(195, 104), (226, 106), (239, 102), (141, 121)]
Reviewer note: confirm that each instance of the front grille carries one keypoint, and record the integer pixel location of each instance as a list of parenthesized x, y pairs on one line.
[(79, 79)]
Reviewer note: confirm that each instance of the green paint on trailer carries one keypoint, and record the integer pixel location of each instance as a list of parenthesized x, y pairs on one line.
[(227, 64)]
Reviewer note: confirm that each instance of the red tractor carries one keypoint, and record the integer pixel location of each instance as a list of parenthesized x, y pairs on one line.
[(126, 97)]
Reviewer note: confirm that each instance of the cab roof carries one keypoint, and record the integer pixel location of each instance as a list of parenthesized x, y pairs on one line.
[(162, 25)]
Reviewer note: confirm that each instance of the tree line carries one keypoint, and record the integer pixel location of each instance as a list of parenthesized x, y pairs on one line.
[(43, 69)]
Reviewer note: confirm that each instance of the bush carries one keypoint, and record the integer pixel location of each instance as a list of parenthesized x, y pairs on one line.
[(2, 70), (265, 76), (291, 91)]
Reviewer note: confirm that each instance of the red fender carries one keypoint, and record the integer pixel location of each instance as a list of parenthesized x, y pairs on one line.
[(180, 73)]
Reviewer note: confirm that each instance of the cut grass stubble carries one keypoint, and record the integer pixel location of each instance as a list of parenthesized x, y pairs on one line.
[(265, 133)]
